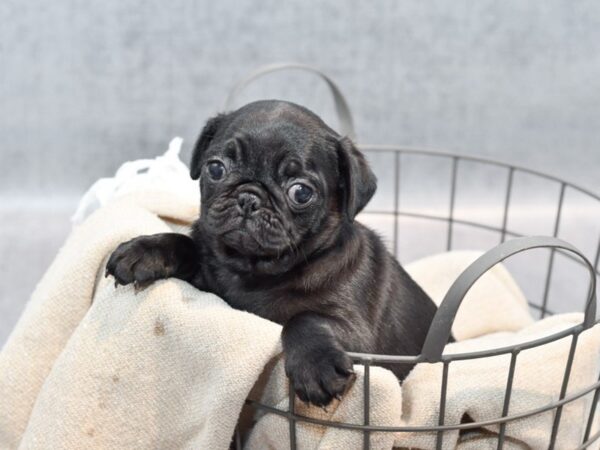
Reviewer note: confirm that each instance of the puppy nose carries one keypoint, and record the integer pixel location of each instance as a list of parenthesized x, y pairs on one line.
[(249, 202)]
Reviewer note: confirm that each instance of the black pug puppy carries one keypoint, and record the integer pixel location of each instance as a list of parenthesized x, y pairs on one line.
[(277, 237)]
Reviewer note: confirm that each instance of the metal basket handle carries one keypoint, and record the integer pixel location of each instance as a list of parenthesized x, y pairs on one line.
[(439, 331), (341, 105)]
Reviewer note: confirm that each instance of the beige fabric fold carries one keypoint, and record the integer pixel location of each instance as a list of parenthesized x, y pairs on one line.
[(272, 431), (494, 303), (62, 299), (477, 387), (91, 366)]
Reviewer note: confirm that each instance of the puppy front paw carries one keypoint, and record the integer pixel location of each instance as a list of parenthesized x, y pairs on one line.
[(138, 261), (319, 374)]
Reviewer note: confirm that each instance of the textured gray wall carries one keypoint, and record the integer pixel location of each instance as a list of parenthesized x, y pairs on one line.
[(86, 85)]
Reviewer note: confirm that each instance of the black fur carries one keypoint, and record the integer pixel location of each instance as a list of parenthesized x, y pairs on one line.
[(326, 278)]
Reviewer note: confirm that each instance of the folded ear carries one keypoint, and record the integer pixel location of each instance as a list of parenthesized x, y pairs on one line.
[(357, 181), (206, 136)]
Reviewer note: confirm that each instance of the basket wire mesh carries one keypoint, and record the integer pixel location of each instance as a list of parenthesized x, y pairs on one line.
[(510, 242)]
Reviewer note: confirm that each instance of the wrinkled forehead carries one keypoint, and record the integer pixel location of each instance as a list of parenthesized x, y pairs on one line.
[(284, 147)]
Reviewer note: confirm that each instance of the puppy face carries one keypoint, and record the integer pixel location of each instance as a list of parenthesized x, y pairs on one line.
[(277, 185)]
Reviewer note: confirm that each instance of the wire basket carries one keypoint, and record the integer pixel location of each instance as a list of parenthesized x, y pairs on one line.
[(506, 242)]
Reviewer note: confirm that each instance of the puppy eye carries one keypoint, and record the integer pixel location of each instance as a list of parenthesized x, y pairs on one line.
[(300, 193), (216, 170)]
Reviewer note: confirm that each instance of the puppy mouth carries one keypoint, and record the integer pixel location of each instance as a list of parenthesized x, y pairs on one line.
[(241, 242), (250, 232)]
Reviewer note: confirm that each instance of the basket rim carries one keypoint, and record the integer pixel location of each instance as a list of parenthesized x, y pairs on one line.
[(433, 428), (371, 147)]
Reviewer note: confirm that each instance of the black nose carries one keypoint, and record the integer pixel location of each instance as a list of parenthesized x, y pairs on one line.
[(249, 202)]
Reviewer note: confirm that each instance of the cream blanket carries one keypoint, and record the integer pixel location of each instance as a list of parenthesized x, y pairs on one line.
[(91, 366)]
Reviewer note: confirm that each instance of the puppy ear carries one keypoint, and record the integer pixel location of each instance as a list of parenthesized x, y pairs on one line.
[(357, 181), (206, 136)]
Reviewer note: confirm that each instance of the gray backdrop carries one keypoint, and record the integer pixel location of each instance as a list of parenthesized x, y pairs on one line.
[(86, 85)]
